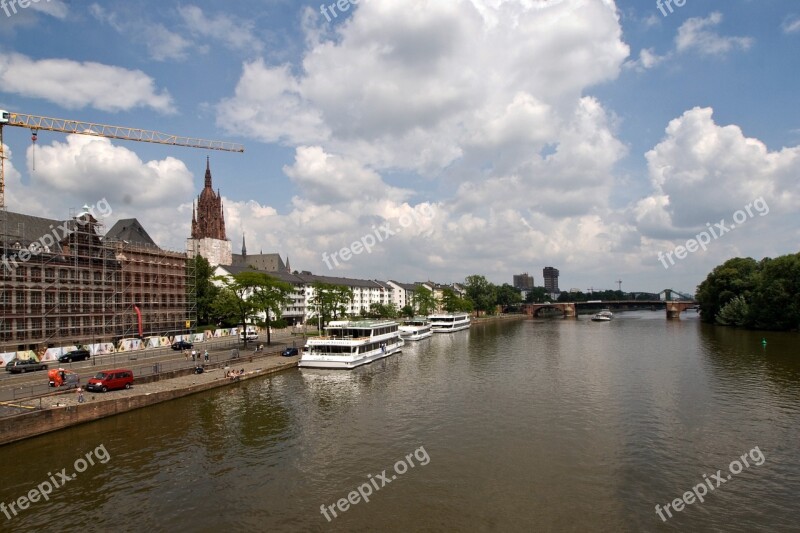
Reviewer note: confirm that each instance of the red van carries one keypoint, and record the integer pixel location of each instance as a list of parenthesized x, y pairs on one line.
[(111, 379)]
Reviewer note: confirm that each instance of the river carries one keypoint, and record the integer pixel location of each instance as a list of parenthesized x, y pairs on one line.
[(529, 425)]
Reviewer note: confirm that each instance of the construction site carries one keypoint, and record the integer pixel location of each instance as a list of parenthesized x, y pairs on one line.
[(86, 288), (69, 282)]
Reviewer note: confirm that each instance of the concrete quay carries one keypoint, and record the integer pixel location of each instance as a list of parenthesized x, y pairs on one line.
[(63, 410)]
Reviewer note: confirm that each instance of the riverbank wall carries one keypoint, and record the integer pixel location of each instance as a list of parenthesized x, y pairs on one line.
[(67, 411)]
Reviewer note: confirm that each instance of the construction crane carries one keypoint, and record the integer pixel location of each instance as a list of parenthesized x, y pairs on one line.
[(36, 123)]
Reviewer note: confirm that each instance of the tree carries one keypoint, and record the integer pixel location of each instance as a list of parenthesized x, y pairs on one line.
[(271, 296), (331, 301), (407, 311), (734, 277), (508, 297), (205, 291), (423, 301), (225, 308), (234, 298), (450, 300), (537, 295), (383, 311), (744, 292), (734, 313), (481, 292)]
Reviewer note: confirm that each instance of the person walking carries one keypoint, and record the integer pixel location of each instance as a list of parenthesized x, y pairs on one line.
[(194, 354), (80, 395), (205, 355)]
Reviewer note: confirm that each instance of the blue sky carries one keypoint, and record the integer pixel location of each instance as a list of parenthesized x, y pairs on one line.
[(500, 136)]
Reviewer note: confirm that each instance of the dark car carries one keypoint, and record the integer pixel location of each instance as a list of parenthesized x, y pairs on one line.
[(182, 345), (75, 355), (288, 352), (18, 366)]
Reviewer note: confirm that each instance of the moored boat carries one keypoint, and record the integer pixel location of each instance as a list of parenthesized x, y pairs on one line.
[(349, 344), (448, 322), (603, 316), (415, 329)]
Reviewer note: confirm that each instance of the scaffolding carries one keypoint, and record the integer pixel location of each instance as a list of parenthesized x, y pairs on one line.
[(80, 288)]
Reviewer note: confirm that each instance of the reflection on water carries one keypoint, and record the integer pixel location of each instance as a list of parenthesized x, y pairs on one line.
[(544, 425)]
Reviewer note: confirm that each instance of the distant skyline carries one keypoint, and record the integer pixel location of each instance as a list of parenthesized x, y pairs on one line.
[(487, 137)]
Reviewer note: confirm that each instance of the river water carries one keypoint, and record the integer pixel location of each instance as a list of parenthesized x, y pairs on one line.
[(529, 425)]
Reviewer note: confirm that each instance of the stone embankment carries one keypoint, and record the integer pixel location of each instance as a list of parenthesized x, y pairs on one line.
[(62, 410)]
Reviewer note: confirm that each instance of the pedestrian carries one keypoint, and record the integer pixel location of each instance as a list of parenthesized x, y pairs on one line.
[(205, 355), (80, 395), (194, 354)]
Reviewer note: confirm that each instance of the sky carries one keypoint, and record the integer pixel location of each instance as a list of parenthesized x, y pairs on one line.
[(633, 140)]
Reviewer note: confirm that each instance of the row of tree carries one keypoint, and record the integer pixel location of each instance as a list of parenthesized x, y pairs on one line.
[(246, 296), (753, 294)]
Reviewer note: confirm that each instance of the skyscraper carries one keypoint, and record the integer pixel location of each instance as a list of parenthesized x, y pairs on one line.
[(523, 282), (551, 280)]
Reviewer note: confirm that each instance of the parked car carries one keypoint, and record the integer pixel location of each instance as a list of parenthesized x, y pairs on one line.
[(110, 379), (75, 355), (63, 378), (19, 366), (288, 352), (182, 345)]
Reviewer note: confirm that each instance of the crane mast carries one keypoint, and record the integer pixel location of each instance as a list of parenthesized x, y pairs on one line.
[(38, 123)]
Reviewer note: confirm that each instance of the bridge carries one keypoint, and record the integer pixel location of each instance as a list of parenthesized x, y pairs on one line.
[(673, 308)]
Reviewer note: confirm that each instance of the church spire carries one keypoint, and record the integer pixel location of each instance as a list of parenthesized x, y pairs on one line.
[(208, 173)]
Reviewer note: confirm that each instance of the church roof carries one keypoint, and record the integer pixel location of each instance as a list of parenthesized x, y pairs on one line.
[(130, 230)]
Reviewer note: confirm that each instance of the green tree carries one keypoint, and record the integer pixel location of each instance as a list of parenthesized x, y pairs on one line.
[(205, 290), (233, 300), (240, 290), (270, 295), (423, 301), (330, 301), (775, 300), (407, 311), (451, 302), (537, 295), (734, 313), (734, 277), (508, 297), (481, 292), (226, 308)]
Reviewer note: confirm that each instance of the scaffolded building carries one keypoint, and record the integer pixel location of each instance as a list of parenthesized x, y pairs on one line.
[(64, 283)]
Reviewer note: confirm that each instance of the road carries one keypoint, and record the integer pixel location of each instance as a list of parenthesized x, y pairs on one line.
[(29, 384)]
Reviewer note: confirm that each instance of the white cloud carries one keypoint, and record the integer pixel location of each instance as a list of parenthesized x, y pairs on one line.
[(75, 85), (702, 172), (694, 34), (647, 60), (791, 24), (84, 170), (235, 33), (162, 44), (54, 8)]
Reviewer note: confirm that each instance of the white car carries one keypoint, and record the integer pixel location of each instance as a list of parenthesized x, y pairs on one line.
[(251, 335)]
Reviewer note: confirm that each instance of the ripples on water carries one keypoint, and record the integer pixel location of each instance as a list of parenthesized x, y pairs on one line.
[(546, 425)]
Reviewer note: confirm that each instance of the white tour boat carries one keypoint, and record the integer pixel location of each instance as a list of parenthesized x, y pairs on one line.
[(603, 316), (348, 344), (445, 323), (415, 329)]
